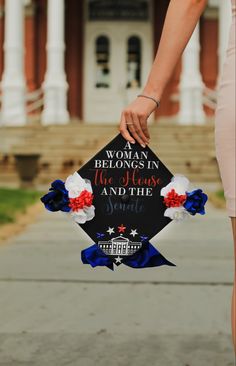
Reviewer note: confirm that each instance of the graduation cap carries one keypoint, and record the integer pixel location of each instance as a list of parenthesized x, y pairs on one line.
[(122, 197)]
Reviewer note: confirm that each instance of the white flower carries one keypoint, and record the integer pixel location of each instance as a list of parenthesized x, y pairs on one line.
[(75, 184), (83, 215), (176, 213), (179, 183)]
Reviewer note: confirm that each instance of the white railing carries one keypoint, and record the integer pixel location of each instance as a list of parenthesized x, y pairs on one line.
[(34, 101), (210, 98)]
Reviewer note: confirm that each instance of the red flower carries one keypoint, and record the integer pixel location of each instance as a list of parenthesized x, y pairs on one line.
[(84, 199), (174, 199)]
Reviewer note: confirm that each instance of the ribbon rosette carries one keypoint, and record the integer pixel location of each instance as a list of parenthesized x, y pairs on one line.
[(181, 203), (73, 197), (80, 197)]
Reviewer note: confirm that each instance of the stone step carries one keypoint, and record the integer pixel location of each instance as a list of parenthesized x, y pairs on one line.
[(95, 141), (109, 128), (111, 134), (64, 146), (181, 168), (73, 150), (70, 164), (103, 140), (99, 127), (56, 163), (106, 129), (65, 149), (185, 150)]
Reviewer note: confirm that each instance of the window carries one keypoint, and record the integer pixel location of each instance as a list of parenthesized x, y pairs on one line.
[(102, 50), (134, 62), (134, 10)]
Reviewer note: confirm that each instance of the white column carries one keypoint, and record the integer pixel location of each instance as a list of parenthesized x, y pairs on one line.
[(191, 84), (55, 85), (13, 81), (224, 26)]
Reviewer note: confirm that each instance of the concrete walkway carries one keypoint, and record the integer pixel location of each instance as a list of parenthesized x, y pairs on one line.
[(55, 311)]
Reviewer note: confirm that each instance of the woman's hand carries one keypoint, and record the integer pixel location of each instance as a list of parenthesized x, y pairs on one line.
[(180, 21), (133, 123)]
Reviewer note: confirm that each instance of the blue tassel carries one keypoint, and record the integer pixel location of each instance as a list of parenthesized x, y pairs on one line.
[(147, 256)]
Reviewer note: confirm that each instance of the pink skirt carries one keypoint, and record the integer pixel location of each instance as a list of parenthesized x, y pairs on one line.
[(225, 133)]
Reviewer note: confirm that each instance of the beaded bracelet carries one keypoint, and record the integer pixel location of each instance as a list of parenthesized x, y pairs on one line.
[(152, 98)]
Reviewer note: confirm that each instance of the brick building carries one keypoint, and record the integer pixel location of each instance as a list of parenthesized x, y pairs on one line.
[(87, 59)]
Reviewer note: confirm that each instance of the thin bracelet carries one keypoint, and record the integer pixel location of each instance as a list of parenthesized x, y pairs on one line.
[(152, 98)]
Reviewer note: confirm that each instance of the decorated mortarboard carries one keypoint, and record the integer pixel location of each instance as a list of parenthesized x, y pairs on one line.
[(122, 198)]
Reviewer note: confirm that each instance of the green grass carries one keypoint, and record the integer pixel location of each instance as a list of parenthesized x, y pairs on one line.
[(14, 201), (220, 194)]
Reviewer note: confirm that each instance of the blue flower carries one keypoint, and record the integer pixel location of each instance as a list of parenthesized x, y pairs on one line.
[(195, 202), (57, 198)]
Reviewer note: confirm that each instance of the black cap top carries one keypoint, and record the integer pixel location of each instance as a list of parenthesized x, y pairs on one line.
[(126, 181), (121, 198)]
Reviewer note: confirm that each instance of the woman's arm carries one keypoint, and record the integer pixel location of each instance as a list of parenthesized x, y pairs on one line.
[(181, 19)]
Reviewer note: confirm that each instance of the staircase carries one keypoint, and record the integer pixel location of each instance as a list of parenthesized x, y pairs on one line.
[(187, 150)]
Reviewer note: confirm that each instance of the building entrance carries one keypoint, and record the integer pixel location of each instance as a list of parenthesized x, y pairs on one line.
[(118, 56)]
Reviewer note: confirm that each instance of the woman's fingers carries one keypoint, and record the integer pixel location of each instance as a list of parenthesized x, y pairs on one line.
[(131, 128), (139, 129), (133, 124), (134, 128), (143, 123), (123, 130)]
